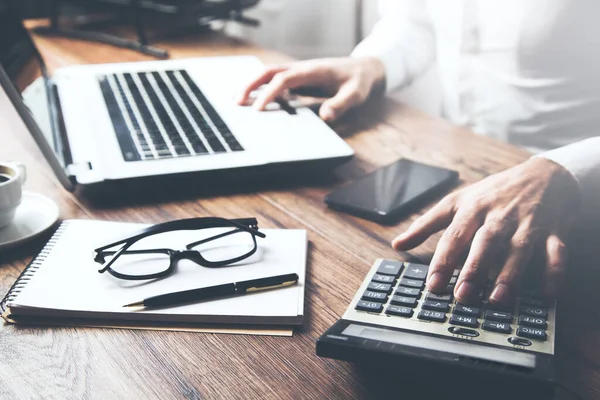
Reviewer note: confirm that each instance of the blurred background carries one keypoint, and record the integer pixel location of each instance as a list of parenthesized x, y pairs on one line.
[(302, 29)]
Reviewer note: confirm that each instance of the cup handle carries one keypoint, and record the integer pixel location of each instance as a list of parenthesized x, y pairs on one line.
[(22, 171)]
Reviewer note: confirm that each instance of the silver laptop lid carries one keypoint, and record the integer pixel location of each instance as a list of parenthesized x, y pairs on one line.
[(23, 76)]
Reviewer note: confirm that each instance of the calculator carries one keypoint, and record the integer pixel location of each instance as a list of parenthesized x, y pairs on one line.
[(395, 321)]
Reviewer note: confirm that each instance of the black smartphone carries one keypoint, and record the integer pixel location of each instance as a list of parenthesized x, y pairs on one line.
[(390, 192)]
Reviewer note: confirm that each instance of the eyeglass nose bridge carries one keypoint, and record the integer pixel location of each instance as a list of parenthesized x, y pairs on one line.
[(193, 255)]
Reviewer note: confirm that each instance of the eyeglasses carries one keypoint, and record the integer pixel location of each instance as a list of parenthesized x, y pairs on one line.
[(146, 254)]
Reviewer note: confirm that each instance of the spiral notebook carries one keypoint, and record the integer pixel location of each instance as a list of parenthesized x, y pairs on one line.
[(62, 284)]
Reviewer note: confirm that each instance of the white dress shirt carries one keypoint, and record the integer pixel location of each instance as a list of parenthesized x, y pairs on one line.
[(523, 71)]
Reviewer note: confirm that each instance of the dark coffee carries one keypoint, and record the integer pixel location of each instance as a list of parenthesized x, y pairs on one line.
[(5, 178)]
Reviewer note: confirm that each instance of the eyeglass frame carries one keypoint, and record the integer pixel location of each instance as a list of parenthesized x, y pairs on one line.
[(249, 225)]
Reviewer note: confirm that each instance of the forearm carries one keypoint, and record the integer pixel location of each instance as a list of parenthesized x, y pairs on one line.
[(402, 40)]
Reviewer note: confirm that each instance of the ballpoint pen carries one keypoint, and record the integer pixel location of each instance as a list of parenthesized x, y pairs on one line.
[(218, 291)]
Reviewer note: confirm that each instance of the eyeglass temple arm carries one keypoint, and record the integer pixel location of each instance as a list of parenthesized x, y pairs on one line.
[(189, 246), (149, 251), (246, 224)]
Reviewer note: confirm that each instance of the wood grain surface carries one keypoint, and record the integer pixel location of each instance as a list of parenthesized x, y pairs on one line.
[(43, 362)]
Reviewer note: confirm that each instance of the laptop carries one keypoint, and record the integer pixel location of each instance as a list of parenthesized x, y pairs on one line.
[(97, 124)]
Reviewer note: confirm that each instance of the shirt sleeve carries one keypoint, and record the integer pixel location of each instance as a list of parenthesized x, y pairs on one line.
[(582, 159), (402, 39)]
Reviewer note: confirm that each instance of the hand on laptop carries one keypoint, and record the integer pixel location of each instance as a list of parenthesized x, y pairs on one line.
[(507, 216), (348, 81)]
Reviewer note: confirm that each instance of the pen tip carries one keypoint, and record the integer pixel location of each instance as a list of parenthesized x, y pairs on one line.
[(136, 304)]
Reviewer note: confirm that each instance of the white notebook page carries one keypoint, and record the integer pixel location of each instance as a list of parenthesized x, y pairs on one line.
[(68, 284)]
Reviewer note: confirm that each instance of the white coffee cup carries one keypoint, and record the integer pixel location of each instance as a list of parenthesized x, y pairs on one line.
[(12, 177)]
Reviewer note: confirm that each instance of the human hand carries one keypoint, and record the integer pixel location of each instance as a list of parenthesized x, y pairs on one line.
[(507, 216), (348, 80)]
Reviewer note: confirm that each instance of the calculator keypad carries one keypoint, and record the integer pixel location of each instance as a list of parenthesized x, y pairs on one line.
[(394, 294)]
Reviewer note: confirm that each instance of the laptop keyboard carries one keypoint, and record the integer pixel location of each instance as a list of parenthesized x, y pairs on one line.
[(158, 115)]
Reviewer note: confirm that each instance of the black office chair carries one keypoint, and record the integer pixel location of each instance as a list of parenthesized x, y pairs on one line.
[(198, 13)]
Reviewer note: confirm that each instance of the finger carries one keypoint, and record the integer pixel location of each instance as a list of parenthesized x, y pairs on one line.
[(263, 78), (347, 97), (434, 220), (556, 265), (451, 247), (280, 82), (487, 243), (520, 251)]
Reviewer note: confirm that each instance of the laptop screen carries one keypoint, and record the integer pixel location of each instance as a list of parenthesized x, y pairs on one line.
[(25, 75)]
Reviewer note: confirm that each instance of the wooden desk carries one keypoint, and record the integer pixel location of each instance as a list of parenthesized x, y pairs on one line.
[(105, 363)]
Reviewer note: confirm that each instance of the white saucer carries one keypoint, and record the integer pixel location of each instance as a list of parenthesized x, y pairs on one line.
[(35, 214)]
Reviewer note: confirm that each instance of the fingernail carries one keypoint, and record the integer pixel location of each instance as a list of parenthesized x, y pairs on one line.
[(465, 291), (500, 294), (436, 281)]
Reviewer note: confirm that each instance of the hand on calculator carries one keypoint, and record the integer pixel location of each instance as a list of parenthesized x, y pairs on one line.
[(506, 216)]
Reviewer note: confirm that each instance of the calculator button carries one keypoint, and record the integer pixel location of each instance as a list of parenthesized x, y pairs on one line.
[(416, 271), (496, 326), (463, 321), (533, 322), (436, 316), (533, 311), (409, 292), (404, 301), (449, 289), (533, 302), (399, 311), (374, 296), (466, 310), (384, 278), (379, 287), (388, 267), (414, 283), (456, 273), (435, 305), (453, 281), (438, 297), (370, 306), (531, 333), (500, 316), (519, 341), (462, 331)]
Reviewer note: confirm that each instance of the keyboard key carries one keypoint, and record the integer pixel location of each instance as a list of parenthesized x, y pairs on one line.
[(496, 326), (531, 333), (399, 311), (408, 292), (414, 283), (388, 267), (384, 278), (428, 315), (404, 301), (533, 311), (463, 321), (466, 310), (374, 296), (435, 305), (370, 306), (379, 287), (500, 316), (534, 322), (438, 297), (416, 271)]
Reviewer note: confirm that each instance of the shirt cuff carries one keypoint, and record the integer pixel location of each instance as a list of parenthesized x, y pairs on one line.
[(582, 159)]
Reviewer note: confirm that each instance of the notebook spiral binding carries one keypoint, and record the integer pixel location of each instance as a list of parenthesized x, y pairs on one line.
[(32, 268)]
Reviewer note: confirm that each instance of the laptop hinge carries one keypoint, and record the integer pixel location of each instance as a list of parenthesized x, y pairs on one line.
[(79, 168)]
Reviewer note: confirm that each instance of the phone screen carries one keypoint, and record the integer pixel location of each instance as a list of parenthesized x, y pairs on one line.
[(388, 189)]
